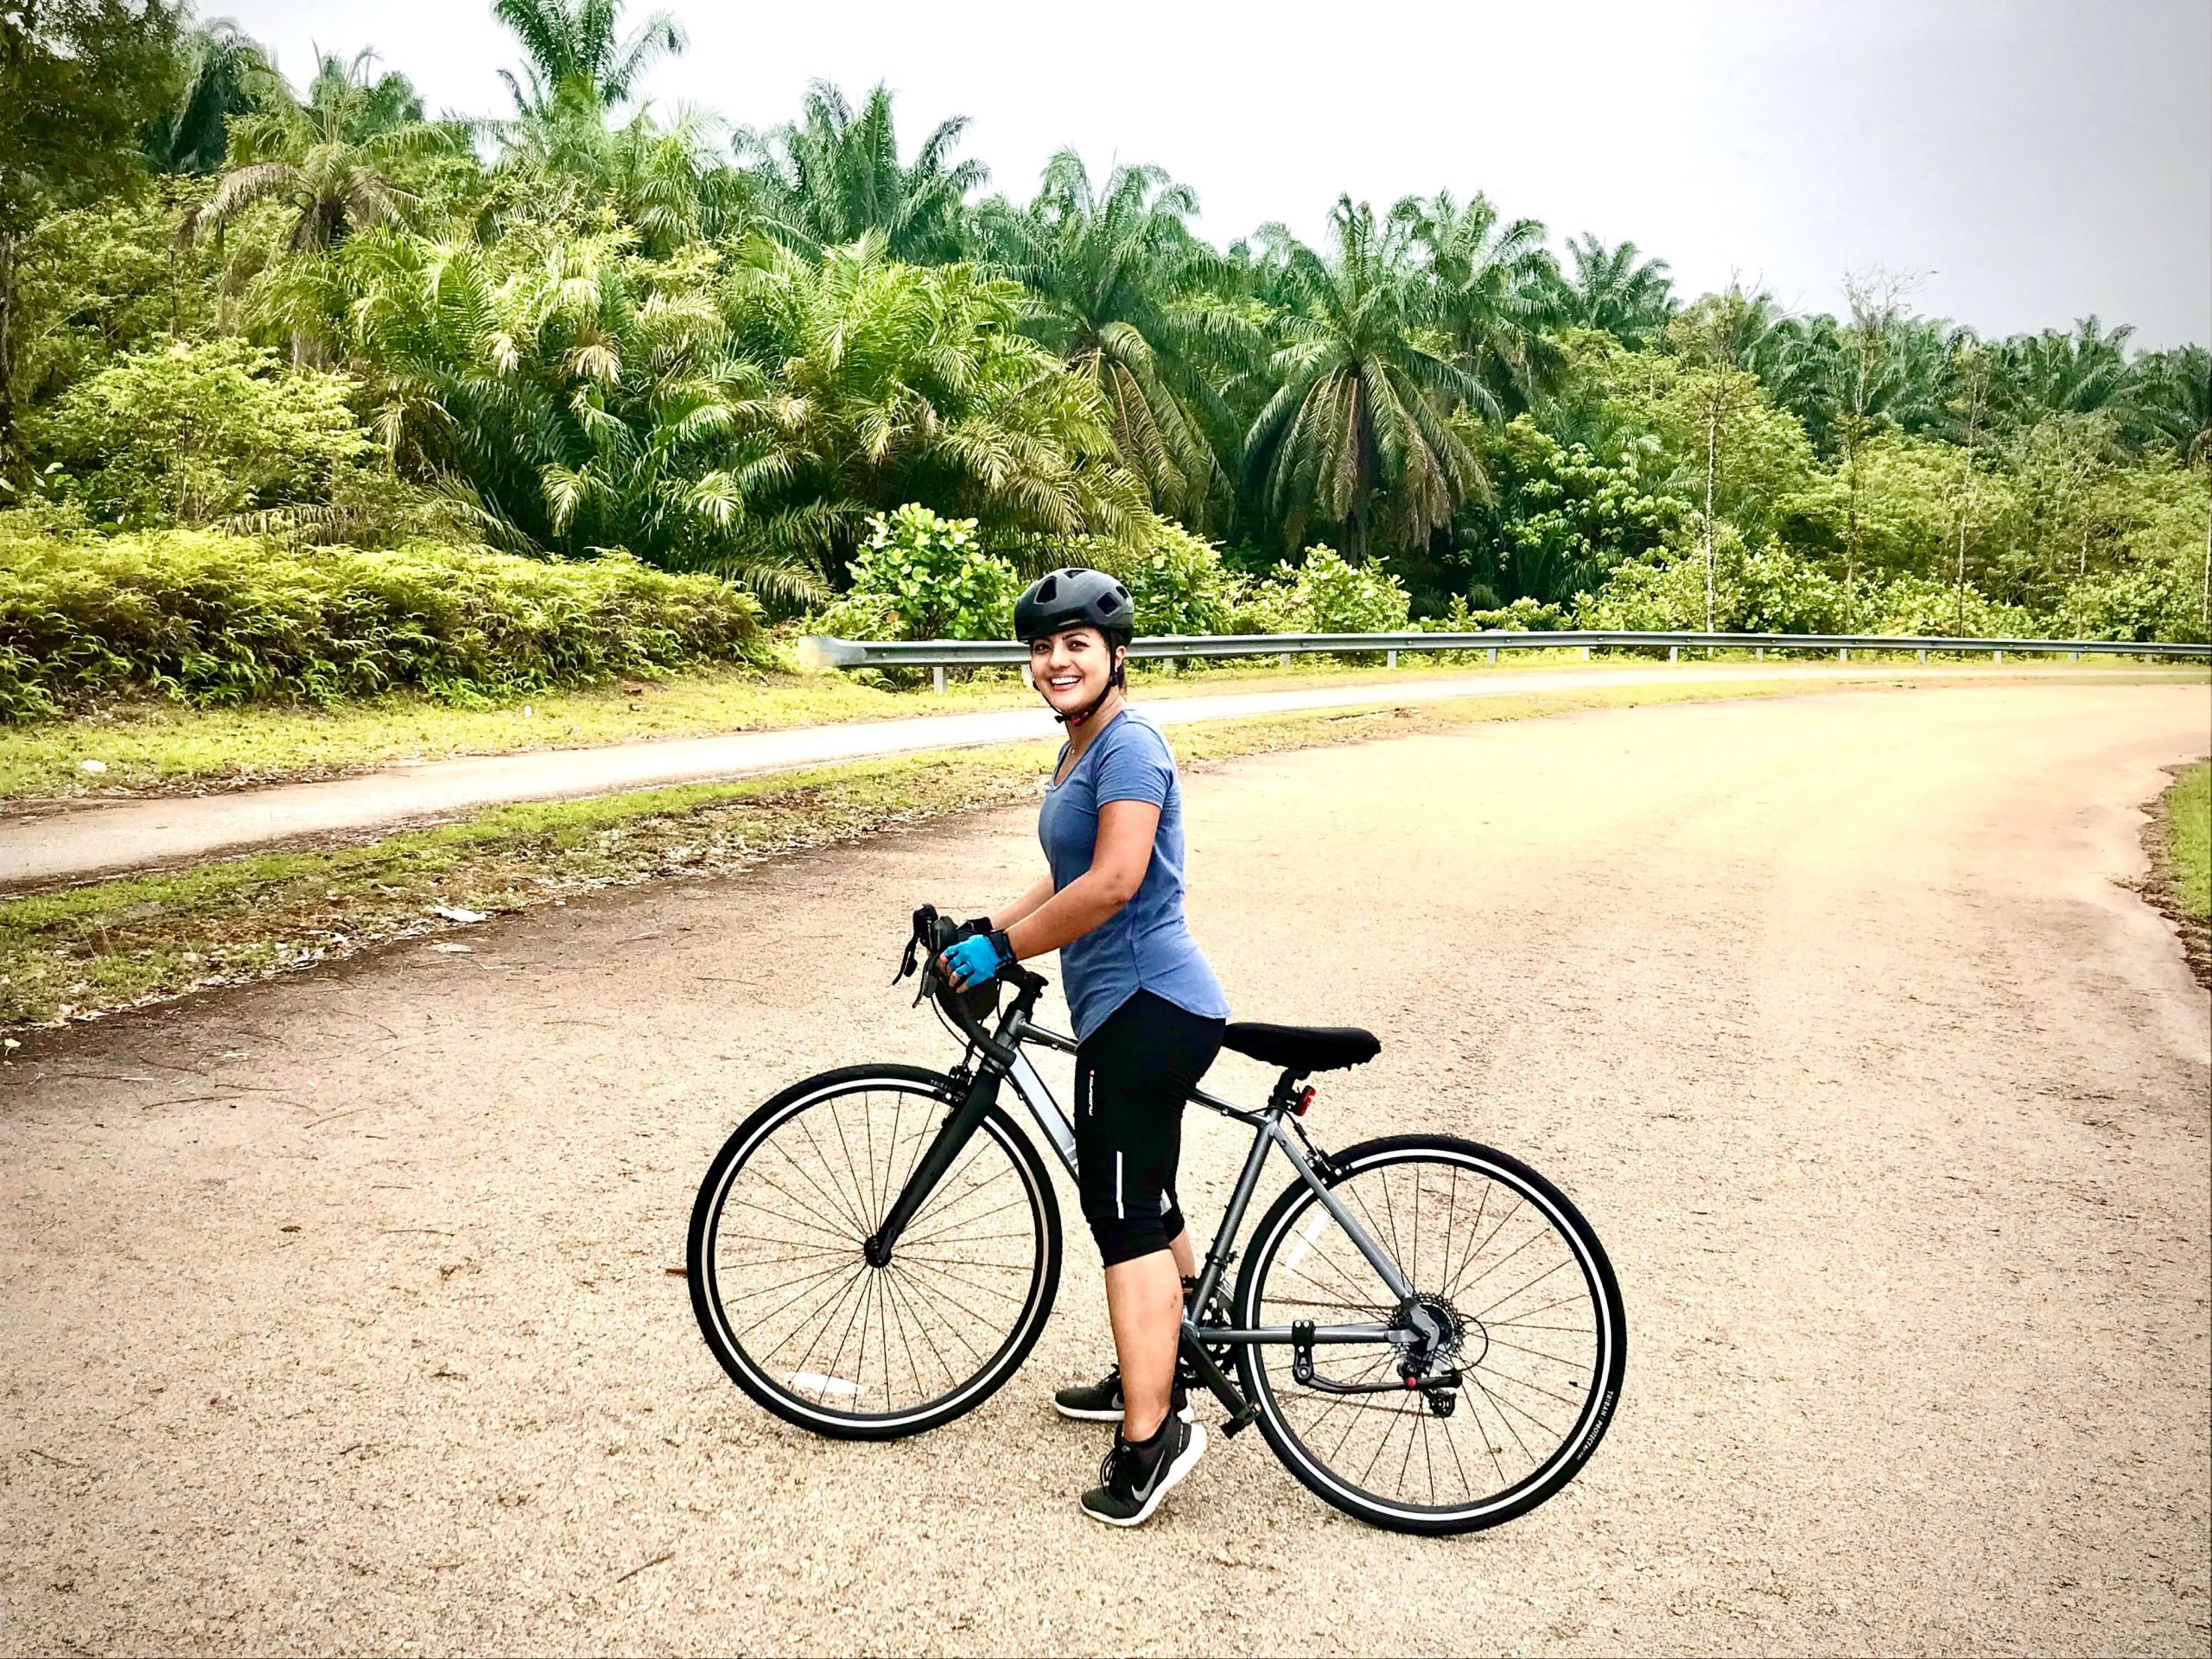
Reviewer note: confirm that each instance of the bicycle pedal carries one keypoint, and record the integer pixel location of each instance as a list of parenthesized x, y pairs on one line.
[(1231, 1426)]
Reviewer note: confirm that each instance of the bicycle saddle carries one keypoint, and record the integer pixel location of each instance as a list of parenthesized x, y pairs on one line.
[(1302, 1048)]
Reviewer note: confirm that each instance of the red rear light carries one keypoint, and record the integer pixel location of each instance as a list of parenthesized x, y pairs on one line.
[(1305, 1099)]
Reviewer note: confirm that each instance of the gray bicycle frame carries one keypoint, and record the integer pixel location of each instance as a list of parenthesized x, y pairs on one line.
[(1268, 1125)]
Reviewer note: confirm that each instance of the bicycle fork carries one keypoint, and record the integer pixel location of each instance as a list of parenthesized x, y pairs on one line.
[(952, 1135)]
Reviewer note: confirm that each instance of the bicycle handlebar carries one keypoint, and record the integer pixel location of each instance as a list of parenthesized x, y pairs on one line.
[(932, 934)]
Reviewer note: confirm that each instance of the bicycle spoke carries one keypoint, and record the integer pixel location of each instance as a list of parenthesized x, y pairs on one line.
[(812, 1316), (1457, 1227)]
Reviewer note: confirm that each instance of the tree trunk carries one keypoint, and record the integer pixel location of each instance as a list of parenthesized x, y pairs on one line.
[(1711, 445), (7, 354), (1959, 609), (1851, 540)]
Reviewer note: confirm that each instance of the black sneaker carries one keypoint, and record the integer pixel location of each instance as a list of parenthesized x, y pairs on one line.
[(1133, 1479), (1100, 1401)]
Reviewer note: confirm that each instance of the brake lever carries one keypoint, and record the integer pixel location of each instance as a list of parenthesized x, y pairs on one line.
[(924, 922)]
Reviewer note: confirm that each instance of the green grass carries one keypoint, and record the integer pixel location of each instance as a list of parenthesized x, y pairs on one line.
[(92, 949), (2188, 838), (153, 746)]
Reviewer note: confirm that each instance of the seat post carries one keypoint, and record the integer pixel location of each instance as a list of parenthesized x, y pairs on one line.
[(1284, 1096)]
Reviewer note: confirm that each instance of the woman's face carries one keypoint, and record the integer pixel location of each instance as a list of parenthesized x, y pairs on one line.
[(1071, 668)]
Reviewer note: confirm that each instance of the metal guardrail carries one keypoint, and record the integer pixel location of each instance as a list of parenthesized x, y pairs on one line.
[(938, 655)]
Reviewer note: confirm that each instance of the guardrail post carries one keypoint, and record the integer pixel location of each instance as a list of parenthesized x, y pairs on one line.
[(2073, 656), (1758, 653), (1674, 653), (1389, 659), (1843, 653), (1284, 659), (937, 679), (1922, 655), (1493, 653), (2000, 656), (1585, 653)]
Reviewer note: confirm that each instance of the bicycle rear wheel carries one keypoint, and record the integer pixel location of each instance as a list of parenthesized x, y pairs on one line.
[(794, 1311), (1504, 1267)]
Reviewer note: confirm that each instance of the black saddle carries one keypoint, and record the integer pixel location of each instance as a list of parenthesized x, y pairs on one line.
[(1302, 1048)]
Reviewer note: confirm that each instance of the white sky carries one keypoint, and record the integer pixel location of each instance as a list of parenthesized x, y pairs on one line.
[(2034, 160)]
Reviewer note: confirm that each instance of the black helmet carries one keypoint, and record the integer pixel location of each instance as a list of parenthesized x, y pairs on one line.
[(1073, 598)]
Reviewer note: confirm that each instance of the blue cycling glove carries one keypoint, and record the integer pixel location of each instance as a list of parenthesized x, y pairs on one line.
[(977, 960)]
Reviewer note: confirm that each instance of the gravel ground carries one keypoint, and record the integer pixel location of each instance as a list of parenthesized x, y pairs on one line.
[(341, 1319)]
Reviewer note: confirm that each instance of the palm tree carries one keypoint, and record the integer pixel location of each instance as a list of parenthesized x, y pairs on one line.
[(1883, 369), (565, 164), (834, 176), (573, 51), (226, 73), (570, 397), (1489, 286), (2059, 373), (902, 383), (1616, 290), (2174, 401), (1358, 432), (1116, 285), (328, 158), (573, 396)]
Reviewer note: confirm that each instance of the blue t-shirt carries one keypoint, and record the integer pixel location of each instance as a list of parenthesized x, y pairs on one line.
[(1145, 946)]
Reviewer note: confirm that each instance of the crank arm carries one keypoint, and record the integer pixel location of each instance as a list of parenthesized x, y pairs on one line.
[(1240, 1411)]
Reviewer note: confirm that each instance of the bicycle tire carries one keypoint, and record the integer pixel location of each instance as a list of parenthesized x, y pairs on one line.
[(785, 1396), (1291, 1217)]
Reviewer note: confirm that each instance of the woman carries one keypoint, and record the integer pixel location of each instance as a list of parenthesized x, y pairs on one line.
[(1148, 1015)]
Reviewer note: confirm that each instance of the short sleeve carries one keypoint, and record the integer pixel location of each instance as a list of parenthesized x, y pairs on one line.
[(1136, 767)]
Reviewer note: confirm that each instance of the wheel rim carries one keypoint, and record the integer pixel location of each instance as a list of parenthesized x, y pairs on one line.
[(797, 1305), (1511, 1294)]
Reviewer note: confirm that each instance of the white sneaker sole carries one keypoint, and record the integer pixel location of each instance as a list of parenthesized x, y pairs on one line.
[(1074, 1415), (1176, 1471)]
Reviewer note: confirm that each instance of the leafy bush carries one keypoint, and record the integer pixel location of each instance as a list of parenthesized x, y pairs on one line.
[(1324, 594), (1180, 585), (188, 433), (209, 619), (1767, 589), (2148, 602), (1523, 615), (1912, 605), (922, 577)]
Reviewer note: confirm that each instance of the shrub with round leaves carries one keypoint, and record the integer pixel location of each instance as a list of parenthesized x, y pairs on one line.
[(919, 576)]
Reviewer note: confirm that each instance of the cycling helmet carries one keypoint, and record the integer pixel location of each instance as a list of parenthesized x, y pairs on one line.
[(1074, 598), (1077, 597)]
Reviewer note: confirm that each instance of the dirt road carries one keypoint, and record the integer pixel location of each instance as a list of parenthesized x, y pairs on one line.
[(338, 1316), (69, 841)]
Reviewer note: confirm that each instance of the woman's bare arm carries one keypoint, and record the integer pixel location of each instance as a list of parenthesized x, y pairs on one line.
[(1118, 862), (1028, 904)]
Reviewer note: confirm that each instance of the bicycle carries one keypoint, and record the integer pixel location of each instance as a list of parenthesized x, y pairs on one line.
[(875, 1251)]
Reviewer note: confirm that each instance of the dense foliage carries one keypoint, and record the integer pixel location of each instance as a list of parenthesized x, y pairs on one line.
[(787, 355), (207, 619)]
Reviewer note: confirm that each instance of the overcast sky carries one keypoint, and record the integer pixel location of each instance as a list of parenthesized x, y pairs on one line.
[(2030, 161)]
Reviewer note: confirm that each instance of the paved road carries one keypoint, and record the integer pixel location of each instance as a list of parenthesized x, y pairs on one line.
[(69, 842), (339, 1319)]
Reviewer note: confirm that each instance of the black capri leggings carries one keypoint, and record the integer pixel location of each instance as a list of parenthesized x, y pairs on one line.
[(1132, 1077)]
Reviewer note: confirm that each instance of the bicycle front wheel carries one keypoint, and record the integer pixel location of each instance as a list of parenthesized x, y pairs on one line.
[(792, 1307), (1515, 1294)]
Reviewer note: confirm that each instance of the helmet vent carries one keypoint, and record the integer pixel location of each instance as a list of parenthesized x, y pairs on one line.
[(1049, 588)]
